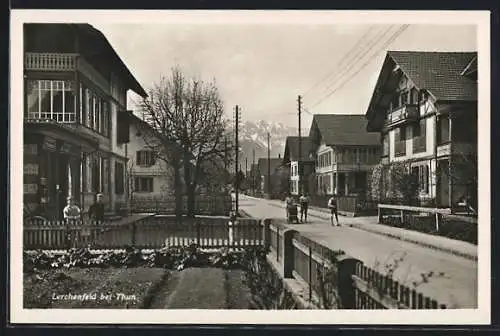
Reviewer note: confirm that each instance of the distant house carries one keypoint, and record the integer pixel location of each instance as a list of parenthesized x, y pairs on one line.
[(425, 108), (291, 160), (268, 170), (148, 175), (345, 153)]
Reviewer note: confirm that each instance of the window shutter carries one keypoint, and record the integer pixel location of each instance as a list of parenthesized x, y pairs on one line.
[(123, 134)]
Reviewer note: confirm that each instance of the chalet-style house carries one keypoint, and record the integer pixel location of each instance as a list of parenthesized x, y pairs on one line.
[(345, 154), (149, 175), (306, 162), (425, 108), (75, 118), (269, 175)]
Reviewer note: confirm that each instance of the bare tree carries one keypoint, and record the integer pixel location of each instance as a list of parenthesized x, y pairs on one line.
[(188, 113)]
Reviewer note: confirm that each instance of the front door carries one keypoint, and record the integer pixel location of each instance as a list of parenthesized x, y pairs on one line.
[(443, 184), (341, 185)]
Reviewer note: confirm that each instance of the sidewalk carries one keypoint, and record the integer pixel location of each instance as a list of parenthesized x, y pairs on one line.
[(369, 224)]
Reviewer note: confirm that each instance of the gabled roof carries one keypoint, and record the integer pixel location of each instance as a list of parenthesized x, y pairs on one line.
[(343, 130), (274, 164), (440, 73), (143, 126), (292, 149)]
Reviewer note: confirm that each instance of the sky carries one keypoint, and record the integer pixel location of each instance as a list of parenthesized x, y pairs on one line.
[(264, 67)]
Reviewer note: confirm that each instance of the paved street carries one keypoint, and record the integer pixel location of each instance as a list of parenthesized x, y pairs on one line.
[(457, 289)]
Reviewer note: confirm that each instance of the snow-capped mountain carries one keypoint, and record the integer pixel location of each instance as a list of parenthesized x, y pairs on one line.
[(253, 136)]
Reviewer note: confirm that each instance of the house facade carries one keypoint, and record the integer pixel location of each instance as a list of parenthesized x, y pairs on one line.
[(344, 152), (424, 106), (299, 168), (149, 176), (75, 120)]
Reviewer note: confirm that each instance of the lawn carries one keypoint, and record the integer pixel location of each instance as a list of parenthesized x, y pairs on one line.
[(203, 288)]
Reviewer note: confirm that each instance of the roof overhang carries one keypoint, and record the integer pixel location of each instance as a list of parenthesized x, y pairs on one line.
[(100, 41)]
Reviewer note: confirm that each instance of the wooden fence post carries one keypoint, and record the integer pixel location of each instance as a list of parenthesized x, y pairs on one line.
[(266, 234), (288, 255), (198, 230), (346, 268), (438, 218)]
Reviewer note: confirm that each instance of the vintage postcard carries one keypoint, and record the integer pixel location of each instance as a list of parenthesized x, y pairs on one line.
[(250, 167)]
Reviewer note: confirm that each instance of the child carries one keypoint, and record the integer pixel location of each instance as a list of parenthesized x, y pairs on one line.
[(332, 204), (71, 211)]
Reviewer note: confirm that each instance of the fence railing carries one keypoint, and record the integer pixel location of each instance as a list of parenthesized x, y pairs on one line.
[(352, 284), (203, 206), (429, 220), (150, 233)]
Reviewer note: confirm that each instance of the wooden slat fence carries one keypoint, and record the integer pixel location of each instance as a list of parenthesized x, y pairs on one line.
[(150, 233)]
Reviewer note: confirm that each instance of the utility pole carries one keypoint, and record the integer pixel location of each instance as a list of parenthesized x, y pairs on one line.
[(268, 164), (253, 171), (237, 149), (299, 101)]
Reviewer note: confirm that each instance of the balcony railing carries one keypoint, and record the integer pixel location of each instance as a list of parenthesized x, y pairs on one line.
[(403, 114), (65, 62), (50, 61)]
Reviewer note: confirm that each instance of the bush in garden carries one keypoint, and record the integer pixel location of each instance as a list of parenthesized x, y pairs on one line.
[(394, 184)]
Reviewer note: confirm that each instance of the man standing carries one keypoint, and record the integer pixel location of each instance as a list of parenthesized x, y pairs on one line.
[(332, 205), (96, 210), (304, 204)]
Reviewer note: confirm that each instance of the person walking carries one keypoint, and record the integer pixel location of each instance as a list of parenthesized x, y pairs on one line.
[(332, 205), (304, 204)]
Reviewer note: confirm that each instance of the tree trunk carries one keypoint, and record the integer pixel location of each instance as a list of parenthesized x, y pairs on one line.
[(178, 193), (191, 198), (190, 187)]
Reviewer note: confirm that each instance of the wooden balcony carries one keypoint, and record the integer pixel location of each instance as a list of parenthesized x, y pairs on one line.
[(402, 115), (456, 148), (65, 62)]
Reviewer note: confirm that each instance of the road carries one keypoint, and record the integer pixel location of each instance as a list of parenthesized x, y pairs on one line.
[(457, 288)]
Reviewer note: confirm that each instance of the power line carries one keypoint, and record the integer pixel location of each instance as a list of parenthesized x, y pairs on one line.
[(340, 62), (358, 57), (391, 39)]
